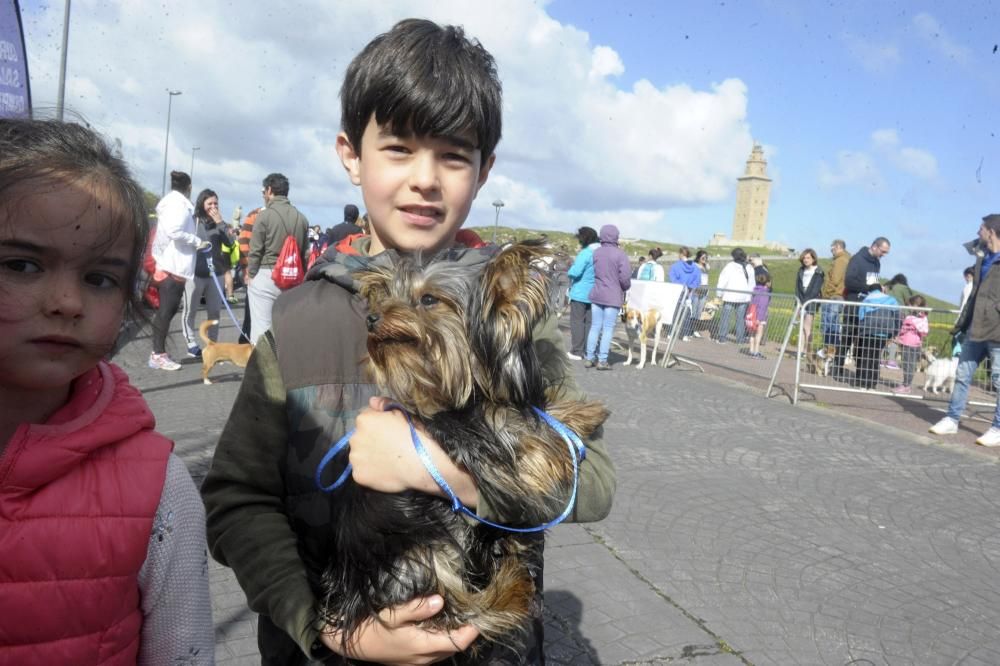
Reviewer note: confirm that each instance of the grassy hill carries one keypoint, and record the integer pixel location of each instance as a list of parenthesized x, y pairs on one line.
[(783, 270)]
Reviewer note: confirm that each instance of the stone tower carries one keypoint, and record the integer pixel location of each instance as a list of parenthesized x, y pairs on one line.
[(753, 193)]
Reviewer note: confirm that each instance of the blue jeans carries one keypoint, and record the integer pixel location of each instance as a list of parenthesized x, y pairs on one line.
[(602, 324), (830, 323), (740, 309), (973, 352)]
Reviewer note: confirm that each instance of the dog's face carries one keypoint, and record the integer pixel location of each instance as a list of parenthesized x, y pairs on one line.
[(440, 336), (633, 319)]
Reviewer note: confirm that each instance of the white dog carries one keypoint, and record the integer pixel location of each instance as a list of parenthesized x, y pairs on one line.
[(639, 325), (940, 373)]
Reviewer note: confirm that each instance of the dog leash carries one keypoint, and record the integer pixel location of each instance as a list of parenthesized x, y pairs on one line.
[(577, 450), (222, 292)]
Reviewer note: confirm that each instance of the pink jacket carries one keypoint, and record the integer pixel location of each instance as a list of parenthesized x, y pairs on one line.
[(913, 331), (77, 500)]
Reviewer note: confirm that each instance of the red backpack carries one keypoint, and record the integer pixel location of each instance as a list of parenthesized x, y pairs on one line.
[(288, 271), (750, 320)]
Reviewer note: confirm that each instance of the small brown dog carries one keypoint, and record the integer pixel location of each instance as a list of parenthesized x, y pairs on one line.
[(213, 352)]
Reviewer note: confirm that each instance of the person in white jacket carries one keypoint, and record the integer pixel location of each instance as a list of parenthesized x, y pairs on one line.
[(735, 286), (174, 248)]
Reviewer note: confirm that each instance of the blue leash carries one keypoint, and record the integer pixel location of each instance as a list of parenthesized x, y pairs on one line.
[(222, 292), (577, 452)]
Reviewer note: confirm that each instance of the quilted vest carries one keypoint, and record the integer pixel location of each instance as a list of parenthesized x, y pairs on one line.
[(77, 500)]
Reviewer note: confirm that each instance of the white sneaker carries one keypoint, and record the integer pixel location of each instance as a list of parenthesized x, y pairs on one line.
[(686, 338), (696, 334), (990, 438), (162, 362), (574, 357), (948, 426)]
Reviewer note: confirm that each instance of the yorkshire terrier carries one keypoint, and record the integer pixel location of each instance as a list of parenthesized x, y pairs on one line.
[(455, 350)]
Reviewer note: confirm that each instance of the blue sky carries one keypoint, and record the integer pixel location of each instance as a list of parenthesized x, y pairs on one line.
[(877, 118), (842, 94)]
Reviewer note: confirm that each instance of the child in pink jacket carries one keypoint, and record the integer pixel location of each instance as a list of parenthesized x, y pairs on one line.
[(911, 338)]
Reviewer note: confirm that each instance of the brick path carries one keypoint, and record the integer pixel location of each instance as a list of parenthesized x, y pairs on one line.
[(745, 530)]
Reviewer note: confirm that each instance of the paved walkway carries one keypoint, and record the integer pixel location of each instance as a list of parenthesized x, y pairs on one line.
[(745, 531)]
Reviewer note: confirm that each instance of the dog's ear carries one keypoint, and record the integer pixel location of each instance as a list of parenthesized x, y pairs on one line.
[(514, 291), (512, 299)]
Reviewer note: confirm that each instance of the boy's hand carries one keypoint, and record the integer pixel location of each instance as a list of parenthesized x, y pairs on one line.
[(384, 458), (393, 638)]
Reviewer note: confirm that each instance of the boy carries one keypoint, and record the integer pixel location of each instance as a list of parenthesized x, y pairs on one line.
[(421, 118)]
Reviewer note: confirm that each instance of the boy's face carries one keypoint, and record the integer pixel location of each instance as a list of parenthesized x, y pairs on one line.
[(417, 190)]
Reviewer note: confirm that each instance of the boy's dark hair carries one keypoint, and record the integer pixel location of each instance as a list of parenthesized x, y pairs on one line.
[(586, 236), (739, 255), (424, 79), (969, 270), (180, 181), (47, 152), (278, 184)]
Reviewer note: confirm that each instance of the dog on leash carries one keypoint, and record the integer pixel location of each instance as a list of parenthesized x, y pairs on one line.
[(216, 352), (940, 373), (638, 326), (453, 347)]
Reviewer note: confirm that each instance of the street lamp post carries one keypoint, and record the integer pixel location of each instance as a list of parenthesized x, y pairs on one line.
[(498, 204), (61, 103), (191, 173), (166, 147)]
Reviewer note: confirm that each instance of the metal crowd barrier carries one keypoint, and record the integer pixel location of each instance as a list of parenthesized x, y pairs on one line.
[(711, 333), (851, 346)]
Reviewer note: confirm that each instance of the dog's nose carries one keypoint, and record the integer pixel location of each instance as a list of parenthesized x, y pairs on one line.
[(372, 321)]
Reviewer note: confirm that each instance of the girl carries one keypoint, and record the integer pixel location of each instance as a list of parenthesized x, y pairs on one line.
[(808, 284), (760, 301), (101, 528), (911, 338), (211, 228)]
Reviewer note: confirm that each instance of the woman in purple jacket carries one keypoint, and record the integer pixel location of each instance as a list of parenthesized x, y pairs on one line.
[(611, 280)]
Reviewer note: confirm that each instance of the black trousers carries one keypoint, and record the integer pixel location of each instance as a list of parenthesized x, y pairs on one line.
[(579, 327), (171, 295)]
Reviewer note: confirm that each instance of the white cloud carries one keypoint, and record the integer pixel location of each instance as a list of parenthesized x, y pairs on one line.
[(914, 161), (874, 57), (860, 168), (606, 62), (260, 94), (852, 168), (934, 35)]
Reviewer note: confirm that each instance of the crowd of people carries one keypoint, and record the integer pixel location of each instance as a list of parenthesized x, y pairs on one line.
[(200, 259), (871, 334)]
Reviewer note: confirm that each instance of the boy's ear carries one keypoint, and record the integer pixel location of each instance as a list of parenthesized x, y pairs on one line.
[(350, 158), (484, 171)]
